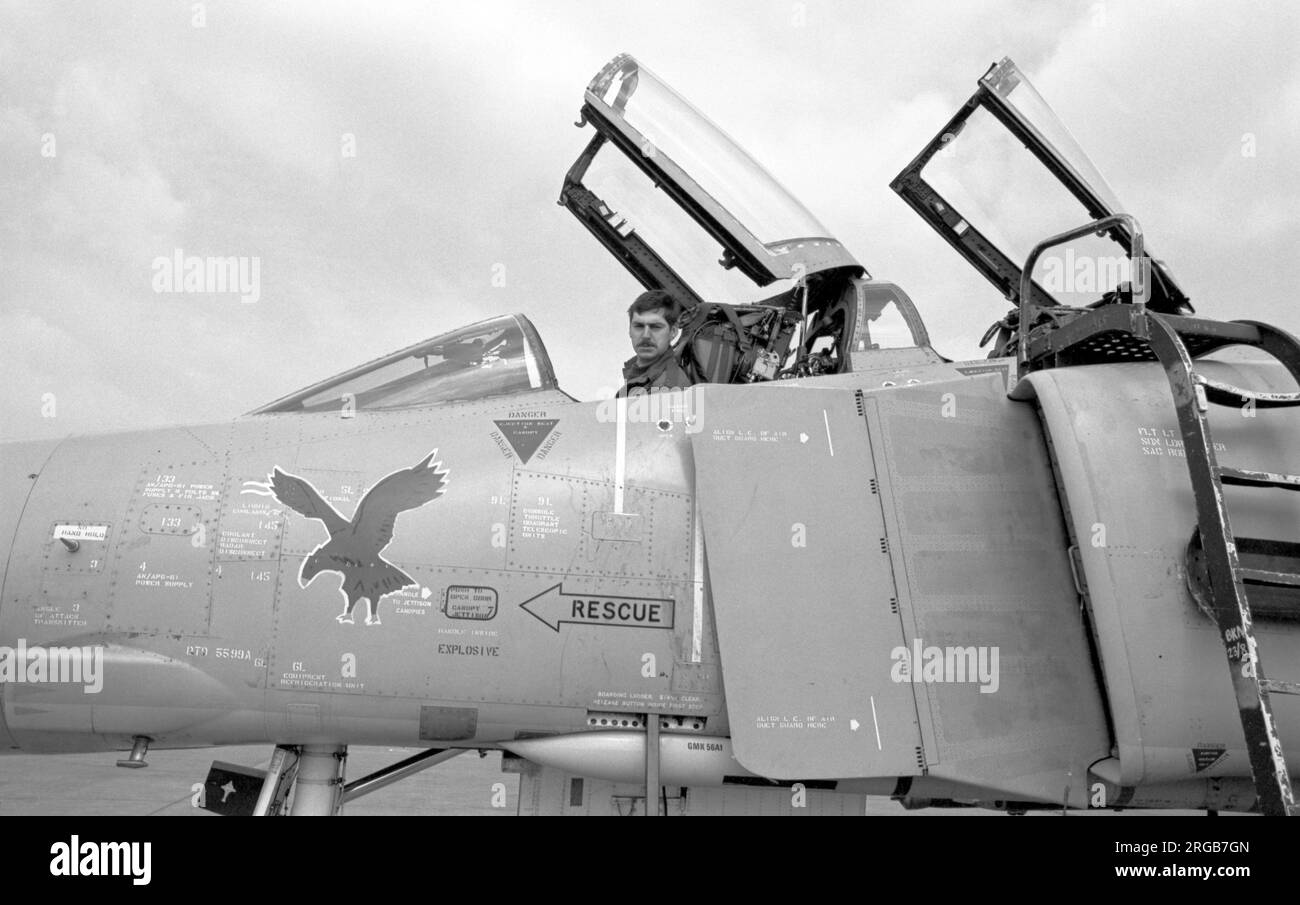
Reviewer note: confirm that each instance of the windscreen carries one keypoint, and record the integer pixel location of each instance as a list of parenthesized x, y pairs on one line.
[(491, 358), (881, 325)]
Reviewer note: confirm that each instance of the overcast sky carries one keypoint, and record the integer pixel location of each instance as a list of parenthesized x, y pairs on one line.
[(128, 130)]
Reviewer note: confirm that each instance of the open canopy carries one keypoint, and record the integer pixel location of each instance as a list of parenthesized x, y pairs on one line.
[(683, 206), (1005, 174)]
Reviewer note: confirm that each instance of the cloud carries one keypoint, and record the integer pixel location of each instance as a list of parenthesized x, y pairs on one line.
[(57, 383), (225, 140), (120, 216), (1198, 137)]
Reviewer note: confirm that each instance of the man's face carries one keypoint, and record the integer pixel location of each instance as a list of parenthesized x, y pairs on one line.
[(650, 335)]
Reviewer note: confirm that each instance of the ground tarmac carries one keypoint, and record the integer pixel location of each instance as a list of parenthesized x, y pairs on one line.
[(92, 784)]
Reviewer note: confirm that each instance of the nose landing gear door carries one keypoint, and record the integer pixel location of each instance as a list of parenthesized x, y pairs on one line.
[(802, 586)]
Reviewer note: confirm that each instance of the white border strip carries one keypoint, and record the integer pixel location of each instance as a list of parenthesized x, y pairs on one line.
[(875, 721), (697, 617), (620, 452)]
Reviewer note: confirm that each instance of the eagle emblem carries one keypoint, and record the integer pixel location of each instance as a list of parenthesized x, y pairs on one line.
[(354, 547)]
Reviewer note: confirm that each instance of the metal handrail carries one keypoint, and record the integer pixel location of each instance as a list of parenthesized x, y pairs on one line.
[(1137, 257)]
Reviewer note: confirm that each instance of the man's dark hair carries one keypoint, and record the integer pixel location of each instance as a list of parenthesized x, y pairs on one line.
[(656, 300)]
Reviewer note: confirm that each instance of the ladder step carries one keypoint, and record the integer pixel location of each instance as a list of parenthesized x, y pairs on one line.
[(1268, 600), (1276, 579), (1246, 478), (1227, 394), (1278, 687)]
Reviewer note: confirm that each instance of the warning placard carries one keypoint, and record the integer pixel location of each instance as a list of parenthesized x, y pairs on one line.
[(526, 434)]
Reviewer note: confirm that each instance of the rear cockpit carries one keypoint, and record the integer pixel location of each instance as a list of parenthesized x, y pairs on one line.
[(684, 208), (1003, 175)]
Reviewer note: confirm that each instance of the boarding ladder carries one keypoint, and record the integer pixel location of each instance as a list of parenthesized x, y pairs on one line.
[(1126, 330)]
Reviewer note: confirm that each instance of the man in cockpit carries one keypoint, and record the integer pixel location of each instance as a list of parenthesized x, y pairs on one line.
[(652, 326)]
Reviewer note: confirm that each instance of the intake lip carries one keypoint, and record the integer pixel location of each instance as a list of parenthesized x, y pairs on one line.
[(20, 464), (7, 743)]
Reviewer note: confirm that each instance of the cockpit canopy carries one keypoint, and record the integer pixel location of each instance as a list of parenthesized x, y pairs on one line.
[(1003, 175), (684, 207), (497, 357)]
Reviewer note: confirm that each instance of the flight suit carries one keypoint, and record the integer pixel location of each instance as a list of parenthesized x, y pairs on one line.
[(662, 373)]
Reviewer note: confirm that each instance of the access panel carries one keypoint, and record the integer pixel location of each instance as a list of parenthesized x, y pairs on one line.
[(802, 587)]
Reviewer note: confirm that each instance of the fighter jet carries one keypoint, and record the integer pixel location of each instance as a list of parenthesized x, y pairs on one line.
[(840, 565)]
